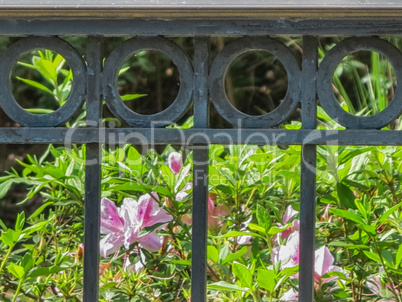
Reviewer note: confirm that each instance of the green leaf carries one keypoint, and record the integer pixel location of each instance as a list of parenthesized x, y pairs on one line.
[(59, 62), (335, 273), (36, 85), (181, 262), (39, 210), (372, 256), (134, 160), (5, 187), (275, 230), (134, 186), (256, 227), (130, 97), (226, 189), (39, 110), (212, 253), (3, 226), (48, 70), (238, 233), (369, 229), (145, 231), (263, 217), (8, 237), (44, 271), (167, 175), (389, 212), (398, 257), (346, 156), (70, 168), (55, 172), (20, 221), (30, 66), (224, 252), (346, 196), (232, 257), (347, 215), (266, 279), (289, 271), (222, 285), (17, 270), (27, 261), (361, 209), (36, 227), (355, 184), (162, 191), (243, 274), (348, 246)]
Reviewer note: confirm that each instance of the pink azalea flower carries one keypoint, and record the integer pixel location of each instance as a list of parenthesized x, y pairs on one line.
[(244, 240), (214, 212), (377, 289), (323, 264), (123, 225), (175, 162), (326, 215), (290, 295), (287, 216), (288, 256)]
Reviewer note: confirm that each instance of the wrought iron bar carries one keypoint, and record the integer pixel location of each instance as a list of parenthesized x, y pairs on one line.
[(190, 137), (308, 171), (200, 176), (92, 175)]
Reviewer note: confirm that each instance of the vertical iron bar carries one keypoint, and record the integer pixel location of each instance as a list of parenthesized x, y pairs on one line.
[(308, 172), (200, 176), (201, 71), (200, 212), (92, 174)]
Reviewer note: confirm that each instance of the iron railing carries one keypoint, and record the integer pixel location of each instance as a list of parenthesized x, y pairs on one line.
[(201, 84)]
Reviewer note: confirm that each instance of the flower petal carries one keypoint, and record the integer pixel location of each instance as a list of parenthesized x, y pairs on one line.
[(151, 242), (289, 213), (110, 244), (132, 226), (110, 221), (221, 210), (290, 295), (323, 261), (149, 212)]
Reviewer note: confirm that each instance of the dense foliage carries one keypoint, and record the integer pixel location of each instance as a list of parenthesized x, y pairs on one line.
[(253, 219)]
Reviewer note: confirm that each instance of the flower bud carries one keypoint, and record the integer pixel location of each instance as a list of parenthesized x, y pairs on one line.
[(175, 162), (80, 251)]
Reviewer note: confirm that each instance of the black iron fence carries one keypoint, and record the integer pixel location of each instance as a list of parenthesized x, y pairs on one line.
[(201, 84)]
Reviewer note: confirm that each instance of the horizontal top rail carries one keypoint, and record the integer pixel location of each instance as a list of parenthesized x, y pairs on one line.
[(200, 8)]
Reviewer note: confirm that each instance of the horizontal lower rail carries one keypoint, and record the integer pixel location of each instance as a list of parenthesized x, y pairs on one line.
[(188, 137)]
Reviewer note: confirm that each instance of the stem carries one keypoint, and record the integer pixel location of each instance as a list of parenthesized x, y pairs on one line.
[(17, 291), (251, 195), (349, 262), (6, 257), (254, 296)]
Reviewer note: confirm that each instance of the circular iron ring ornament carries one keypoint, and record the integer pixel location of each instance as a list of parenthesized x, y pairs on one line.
[(325, 90), (113, 64), (217, 83), (73, 102)]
